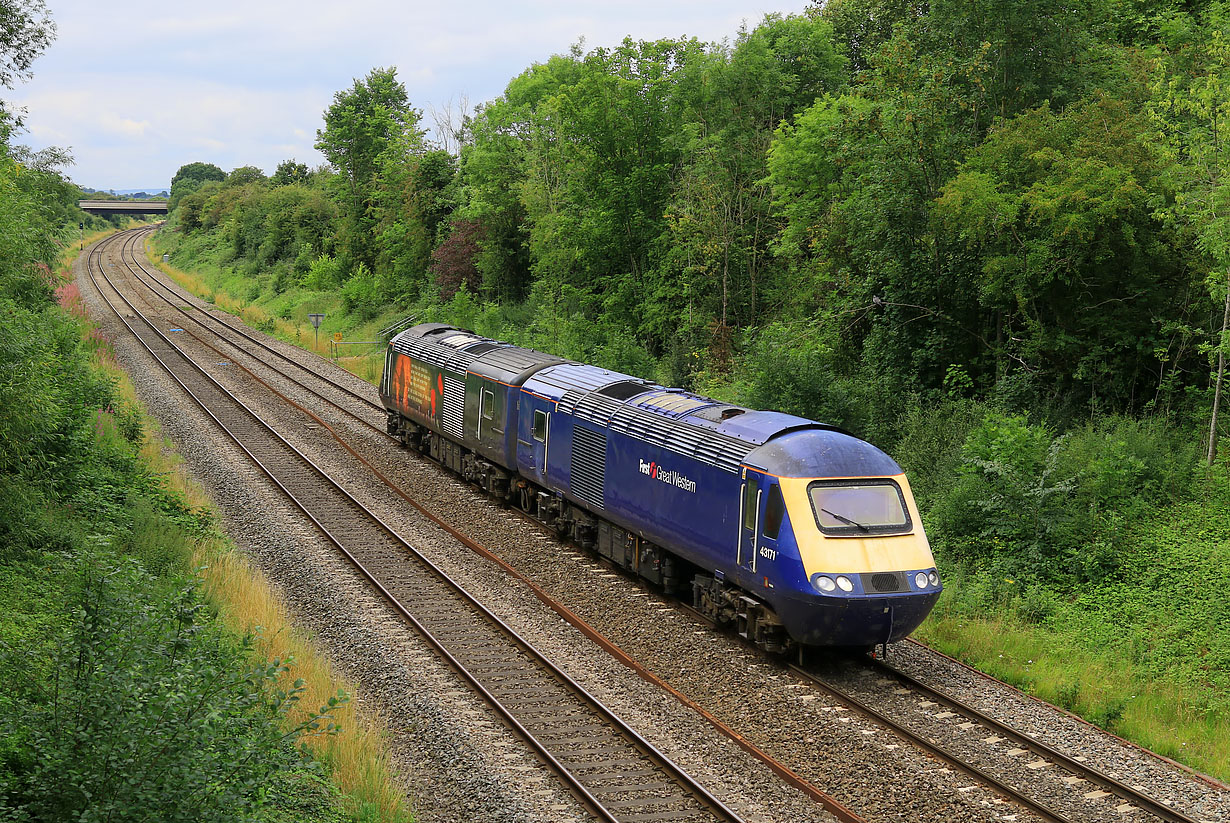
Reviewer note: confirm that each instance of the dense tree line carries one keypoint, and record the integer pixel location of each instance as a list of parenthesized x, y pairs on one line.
[(989, 237), (996, 200)]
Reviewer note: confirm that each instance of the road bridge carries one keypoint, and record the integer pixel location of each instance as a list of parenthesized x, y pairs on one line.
[(110, 207)]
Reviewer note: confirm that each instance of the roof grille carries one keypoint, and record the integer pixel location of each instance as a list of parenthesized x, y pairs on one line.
[(429, 351), (705, 445), (481, 348), (624, 389)]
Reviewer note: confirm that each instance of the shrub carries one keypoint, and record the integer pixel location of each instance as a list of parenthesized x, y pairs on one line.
[(1009, 492), (360, 295), (325, 273), (151, 715)]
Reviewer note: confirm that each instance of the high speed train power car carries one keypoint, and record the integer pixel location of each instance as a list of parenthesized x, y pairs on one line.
[(793, 531)]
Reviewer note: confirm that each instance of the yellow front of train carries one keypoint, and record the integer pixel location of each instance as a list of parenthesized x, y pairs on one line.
[(866, 574)]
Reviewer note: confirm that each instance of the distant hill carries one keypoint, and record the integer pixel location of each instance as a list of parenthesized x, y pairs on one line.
[(133, 194)]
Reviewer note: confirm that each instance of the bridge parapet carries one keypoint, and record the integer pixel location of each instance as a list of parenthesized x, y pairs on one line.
[(110, 207)]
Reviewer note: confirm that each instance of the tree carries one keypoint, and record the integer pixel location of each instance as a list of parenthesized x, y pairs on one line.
[(368, 125), (190, 178), (1078, 284), (494, 170), (26, 30), (200, 172), (1192, 113), (414, 195), (453, 263), (721, 224), (244, 175), (290, 172)]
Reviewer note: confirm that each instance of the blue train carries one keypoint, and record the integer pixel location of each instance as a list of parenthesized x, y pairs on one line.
[(795, 532)]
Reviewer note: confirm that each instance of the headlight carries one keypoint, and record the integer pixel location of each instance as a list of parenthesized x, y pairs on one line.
[(824, 584), (934, 578), (920, 580), (844, 583)]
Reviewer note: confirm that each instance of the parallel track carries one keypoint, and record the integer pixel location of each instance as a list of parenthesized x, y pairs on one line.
[(991, 732), (788, 776), (610, 768), (1024, 743)]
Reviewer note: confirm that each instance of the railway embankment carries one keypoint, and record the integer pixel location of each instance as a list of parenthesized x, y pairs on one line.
[(147, 668)]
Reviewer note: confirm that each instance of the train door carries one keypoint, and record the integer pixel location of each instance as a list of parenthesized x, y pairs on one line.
[(540, 436), (749, 520)]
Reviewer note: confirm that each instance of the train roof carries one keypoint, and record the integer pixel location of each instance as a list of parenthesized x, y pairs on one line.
[(462, 351), (715, 433), (821, 452), (718, 434)]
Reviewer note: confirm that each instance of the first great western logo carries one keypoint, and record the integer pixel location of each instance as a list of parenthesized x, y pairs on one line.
[(670, 477)]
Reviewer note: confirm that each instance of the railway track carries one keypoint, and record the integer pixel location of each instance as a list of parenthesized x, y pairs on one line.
[(957, 719), (1094, 786), (608, 766)]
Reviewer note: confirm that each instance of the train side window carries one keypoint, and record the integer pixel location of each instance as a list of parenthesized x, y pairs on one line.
[(774, 511), (749, 504), (540, 426), (488, 404)]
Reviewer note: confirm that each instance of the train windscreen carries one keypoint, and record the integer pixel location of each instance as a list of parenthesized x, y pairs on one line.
[(852, 508)]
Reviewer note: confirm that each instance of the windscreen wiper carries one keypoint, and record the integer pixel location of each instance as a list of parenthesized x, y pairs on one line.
[(845, 520)]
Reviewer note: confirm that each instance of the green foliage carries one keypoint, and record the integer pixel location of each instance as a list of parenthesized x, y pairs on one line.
[(198, 171), (324, 274), (1041, 508), (191, 178), (368, 127), (290, 172), (26, 30), (361, 295), (245, 175), (150, 714)]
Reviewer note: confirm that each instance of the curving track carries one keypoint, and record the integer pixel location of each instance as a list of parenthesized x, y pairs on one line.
[(613, 771), (1031, 756)]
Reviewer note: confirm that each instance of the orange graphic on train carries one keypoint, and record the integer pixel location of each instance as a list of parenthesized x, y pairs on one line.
[(412, 386)]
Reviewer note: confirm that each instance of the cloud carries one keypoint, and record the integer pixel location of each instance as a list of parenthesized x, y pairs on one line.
[(113, 123), (138, 95)]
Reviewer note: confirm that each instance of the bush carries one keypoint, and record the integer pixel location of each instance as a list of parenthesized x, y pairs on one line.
[(360, 295), (324, 274), (1047, 507), (151, 714)]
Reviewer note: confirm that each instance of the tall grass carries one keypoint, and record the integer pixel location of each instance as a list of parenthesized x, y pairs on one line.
[(255, 316), (366, 365), (1173, 720), (357, 758)]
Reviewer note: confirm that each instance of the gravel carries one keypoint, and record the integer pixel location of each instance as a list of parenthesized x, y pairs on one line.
[(435, 723)]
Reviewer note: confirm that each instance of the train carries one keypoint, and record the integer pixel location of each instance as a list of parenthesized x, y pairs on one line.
[(793, 533)]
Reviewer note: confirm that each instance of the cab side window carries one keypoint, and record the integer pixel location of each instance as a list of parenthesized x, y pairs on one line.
[(749, 504), (540, 426), (488, 404), (774, 511)]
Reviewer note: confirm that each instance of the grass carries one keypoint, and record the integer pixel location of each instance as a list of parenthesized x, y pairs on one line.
[(1144, 654), (357, 758), (1103, 688), (295, 329)]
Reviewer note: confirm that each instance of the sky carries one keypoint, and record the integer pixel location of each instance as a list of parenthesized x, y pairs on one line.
[(137, 89)]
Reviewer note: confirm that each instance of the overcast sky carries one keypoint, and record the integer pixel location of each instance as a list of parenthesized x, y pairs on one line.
[(137, 89)]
